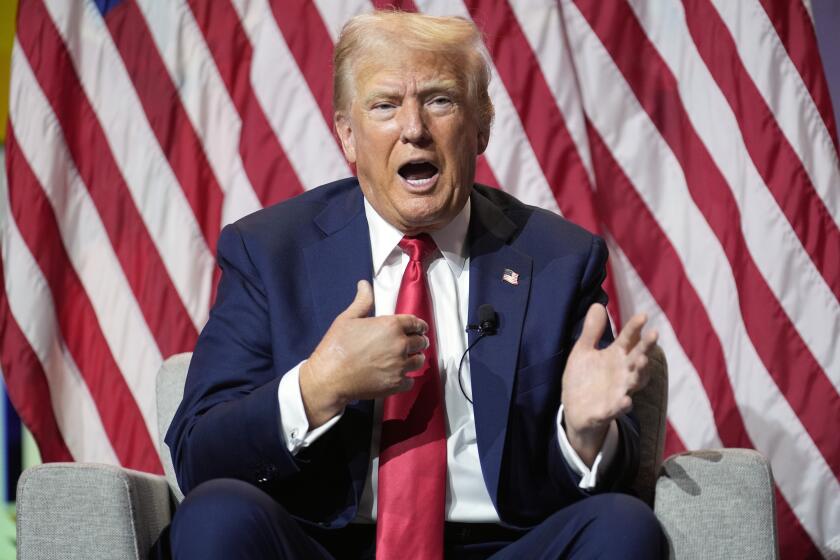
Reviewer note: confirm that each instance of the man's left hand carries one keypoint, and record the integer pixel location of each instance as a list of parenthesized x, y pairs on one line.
[(597, 384)]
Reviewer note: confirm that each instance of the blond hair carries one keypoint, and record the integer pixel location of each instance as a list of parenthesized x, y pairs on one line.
[(455, 38)]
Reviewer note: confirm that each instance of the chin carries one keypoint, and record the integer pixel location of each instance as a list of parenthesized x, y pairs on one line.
[(423, 219)]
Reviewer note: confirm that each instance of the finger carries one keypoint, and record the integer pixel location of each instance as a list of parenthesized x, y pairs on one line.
[(625, 405), (593, 325), (416, 343), (650, 338), (406, 385), (632, 332), (641, 362), (644, 349), (411, 324), (413, 366), (639, 382), (636, 377), (362, 304), (639, 351)]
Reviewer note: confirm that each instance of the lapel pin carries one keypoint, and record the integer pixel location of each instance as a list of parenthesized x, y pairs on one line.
[(510, 277)]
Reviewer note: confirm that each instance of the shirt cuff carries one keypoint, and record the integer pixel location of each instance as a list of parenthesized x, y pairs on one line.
[(589, 477), (294, 426)]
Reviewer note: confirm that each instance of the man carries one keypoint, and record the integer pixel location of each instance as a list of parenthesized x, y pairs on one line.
[(327, 411)]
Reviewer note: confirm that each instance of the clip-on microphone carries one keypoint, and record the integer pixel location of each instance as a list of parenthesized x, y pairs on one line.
[(488, 323)]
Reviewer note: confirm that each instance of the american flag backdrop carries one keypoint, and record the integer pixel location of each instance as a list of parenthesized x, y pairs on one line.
[(695, 135)]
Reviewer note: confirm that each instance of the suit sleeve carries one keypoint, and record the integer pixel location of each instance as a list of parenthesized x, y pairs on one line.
[(228, 423), (622, 471)]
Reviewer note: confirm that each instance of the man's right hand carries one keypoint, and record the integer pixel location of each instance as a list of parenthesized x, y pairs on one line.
[(361, 357)]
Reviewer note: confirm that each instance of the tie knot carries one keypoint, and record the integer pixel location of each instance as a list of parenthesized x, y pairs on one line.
[(418, 247)]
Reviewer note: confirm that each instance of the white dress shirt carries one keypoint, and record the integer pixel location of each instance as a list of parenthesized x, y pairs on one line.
[(467, 498)]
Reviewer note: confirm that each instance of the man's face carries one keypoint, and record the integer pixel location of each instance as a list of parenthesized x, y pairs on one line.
[(414, 140)]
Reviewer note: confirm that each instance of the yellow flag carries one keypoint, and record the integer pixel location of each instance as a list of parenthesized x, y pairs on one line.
[(8, 9)]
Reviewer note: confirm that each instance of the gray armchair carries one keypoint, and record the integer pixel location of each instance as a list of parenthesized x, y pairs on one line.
[(713, 504)]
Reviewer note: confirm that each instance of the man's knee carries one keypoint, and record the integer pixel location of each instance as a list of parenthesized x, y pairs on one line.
[(601, 526), (226, 515), (225, 504), (625, 525)]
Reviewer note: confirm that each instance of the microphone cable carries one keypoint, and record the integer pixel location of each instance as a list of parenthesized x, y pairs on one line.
[(488, 322)]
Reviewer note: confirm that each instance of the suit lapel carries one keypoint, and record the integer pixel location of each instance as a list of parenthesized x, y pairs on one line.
[(493, 360), (342, 258), (334, 265)]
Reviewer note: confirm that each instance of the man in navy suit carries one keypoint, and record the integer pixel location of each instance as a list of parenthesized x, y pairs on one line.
[(278, 438)]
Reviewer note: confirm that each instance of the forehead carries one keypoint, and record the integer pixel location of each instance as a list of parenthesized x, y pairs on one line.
[(405, 68)]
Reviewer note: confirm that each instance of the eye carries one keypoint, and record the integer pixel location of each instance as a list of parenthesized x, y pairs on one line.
[(441, 101), (382, 106)]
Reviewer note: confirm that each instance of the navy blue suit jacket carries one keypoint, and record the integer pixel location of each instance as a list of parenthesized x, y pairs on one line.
[(288, 270)]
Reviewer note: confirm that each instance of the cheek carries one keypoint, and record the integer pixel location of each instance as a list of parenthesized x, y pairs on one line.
[(461, 150), (375, 149)]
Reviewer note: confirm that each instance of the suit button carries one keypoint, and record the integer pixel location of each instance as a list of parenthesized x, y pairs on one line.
[(265, 474)]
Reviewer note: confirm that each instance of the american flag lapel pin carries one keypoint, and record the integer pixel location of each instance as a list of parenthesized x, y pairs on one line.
[(510, 277)]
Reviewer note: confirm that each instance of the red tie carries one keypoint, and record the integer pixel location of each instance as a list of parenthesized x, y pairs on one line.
[(412, 453)]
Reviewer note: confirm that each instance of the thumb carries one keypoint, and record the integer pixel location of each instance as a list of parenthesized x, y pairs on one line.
[(362, 304), (593, 325)]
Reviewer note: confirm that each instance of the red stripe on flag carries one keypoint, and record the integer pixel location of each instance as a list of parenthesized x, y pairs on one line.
[(656, 262), (483, 173), (121, 417), (769, 149), (268, 169), (159, 302), (26, 385), (796, 31), (167, 117), (809, 392), (404, 5), (794, 542), (673, 443)]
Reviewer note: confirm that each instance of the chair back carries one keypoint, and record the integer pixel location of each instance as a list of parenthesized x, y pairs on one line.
[(169, 390), (650, 405)]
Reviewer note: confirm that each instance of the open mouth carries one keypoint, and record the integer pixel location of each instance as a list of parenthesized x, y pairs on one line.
[(419, 173)]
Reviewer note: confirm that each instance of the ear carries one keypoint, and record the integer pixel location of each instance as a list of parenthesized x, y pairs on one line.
[(344, 129), (483, 139)]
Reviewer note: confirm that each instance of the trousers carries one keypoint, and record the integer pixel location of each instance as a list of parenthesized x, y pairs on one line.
[(227, 518)]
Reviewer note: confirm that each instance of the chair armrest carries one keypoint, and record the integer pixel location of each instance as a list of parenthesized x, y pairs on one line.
[(718, 504), (91, 511)]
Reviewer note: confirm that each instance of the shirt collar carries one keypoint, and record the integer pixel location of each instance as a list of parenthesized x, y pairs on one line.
[(450, 239)]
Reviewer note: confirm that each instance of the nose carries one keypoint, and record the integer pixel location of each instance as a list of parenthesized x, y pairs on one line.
[(413, 128)]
